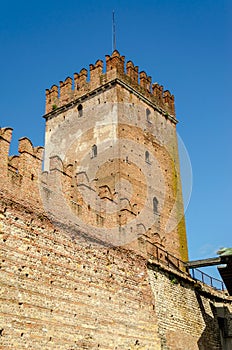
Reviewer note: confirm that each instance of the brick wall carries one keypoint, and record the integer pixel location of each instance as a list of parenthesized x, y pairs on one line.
[(188, 311), (64, 284), (58, 294)]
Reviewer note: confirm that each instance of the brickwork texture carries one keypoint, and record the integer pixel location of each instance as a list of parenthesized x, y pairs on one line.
[(79, 237)]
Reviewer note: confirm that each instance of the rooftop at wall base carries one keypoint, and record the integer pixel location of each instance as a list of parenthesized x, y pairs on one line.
[(71, 90)]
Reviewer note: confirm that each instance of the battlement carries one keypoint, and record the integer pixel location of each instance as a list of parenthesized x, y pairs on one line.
[(86, 81), (19, 173)]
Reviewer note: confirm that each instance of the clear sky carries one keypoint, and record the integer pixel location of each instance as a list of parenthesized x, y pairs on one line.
[(184, 45)]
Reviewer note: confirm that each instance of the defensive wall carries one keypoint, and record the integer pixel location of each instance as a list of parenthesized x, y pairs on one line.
[(64, 291), (58, 293)]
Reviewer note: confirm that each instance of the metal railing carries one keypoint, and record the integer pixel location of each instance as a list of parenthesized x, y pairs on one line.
[(207, 279), (158, 254)]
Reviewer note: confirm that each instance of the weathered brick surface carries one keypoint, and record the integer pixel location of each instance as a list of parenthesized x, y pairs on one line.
[(125, 121), (114, 69), (63, 284), (57, 294), (187, 313)]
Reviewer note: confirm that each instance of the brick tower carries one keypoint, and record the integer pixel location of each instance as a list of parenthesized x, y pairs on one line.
[(93, 246), (114, 137)]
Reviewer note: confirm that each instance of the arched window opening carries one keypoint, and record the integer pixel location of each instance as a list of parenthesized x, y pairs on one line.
[(94, 151), (155, 205), (147, 157), (148, 115), (80, 110)]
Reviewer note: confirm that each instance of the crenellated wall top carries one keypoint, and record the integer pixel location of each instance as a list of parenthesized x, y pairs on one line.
[(88, 80), (26, 165)]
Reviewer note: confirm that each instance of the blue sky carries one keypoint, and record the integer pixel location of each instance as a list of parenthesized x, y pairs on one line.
[(184, 45)]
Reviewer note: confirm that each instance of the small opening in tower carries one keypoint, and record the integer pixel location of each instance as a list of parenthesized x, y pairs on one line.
[(147, 157), (94, 151), (148, 115), (155, 205), (80, 110)]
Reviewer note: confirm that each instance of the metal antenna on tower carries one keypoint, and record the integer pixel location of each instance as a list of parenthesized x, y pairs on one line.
[(113, 34)]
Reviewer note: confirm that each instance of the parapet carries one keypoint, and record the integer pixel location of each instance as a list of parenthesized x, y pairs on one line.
[(86, 81), (19, 173)]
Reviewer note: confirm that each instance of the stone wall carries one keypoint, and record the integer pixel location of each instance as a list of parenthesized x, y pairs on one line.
[(188, 312), (60, 294), (79, 280)]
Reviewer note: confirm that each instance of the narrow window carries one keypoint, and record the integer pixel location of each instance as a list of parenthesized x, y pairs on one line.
[(148, 115), (80, 110), (155, 205), (100, 220), (94, 151), (147, 157)]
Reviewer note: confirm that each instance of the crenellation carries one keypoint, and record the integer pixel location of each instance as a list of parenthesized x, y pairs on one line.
[(5, 139), (115, 65), (25, 145), (19, 173), (115, 61), (80, 82), (38, 152), (132, 72), (145, 82), (29, 162), (52, 98), (13, 162), (76, 82), (6, 134), (65, 90), (83, 78), (158, 93), (56, 98), (96, 74), (169, 101)]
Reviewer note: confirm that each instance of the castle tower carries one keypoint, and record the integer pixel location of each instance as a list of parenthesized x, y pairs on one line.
[(92, 248), (111, 143)]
